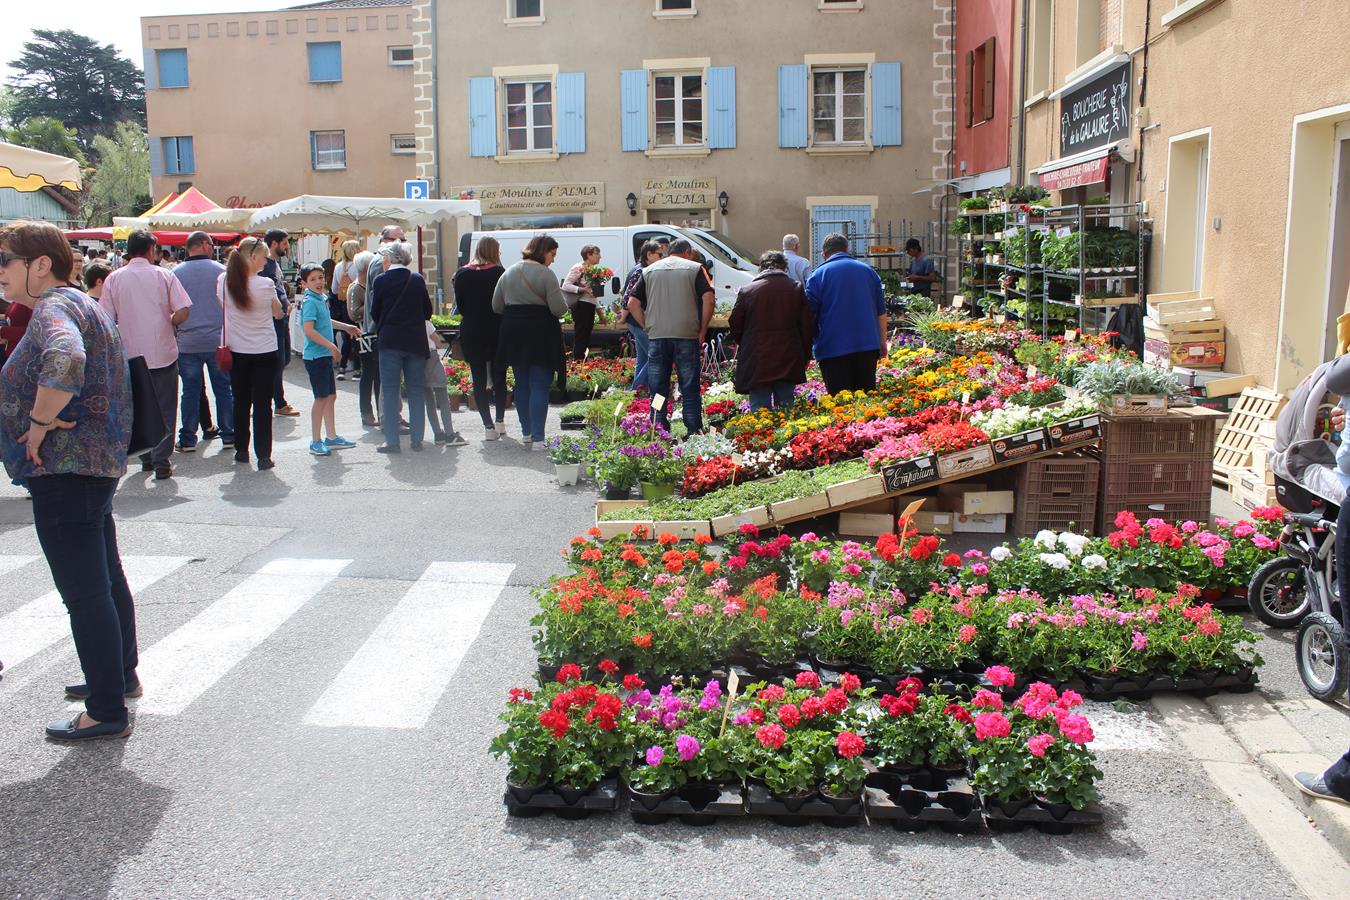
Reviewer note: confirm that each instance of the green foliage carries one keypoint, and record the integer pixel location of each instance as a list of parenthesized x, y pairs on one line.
[(740, 497), (1102, 380), (118, 185), (48, 135)]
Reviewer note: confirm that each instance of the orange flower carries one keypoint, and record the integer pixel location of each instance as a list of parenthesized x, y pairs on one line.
[(702, 540), (591, 554), (593, 531), (626, 610), (642, 640), (639, 532), (709, 567), (761, 612), (666, 539)]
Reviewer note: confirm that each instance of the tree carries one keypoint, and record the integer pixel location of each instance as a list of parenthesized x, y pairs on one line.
[(47, 135), (121, 181), (66, 76)]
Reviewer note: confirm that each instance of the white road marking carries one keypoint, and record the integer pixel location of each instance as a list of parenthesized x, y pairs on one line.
[(184, 665), (398, 675), (39, 624)]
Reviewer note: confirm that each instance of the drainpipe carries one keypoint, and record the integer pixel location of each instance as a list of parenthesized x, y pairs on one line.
[(436, 145), (1145, 270), (1018, 174)]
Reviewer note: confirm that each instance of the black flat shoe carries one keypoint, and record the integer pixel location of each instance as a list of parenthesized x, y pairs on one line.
[(70, 731), (81, 691), (387, 448), (265, 464)]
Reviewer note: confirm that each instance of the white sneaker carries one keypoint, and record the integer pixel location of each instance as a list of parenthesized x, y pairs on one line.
[(527, 444), (501, 429)]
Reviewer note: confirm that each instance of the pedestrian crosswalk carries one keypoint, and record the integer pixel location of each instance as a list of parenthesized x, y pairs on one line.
[(394, 680)]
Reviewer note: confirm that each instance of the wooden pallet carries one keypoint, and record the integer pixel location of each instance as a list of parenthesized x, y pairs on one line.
[(1241, 438)]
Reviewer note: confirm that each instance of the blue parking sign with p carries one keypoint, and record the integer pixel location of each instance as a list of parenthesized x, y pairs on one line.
[(416, 190)]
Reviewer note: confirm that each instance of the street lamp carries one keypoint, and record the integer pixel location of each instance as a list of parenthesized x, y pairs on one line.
[(722, 200), (631, 200)]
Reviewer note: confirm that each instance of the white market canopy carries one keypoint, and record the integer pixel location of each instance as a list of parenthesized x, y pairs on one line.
[(355, 215), (28, 170)]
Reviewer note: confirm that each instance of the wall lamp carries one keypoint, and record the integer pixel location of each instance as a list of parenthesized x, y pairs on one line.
[(631, 200), (722, 201)]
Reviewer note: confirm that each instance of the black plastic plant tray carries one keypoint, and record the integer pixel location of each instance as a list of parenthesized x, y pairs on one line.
[(690, 808), (604, 797), (1034, 814), (912, 801), (759, 802)]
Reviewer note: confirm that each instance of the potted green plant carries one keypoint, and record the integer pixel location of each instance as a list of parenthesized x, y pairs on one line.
[(1123, 387), (658, 471), (616, 474), (567, 454)]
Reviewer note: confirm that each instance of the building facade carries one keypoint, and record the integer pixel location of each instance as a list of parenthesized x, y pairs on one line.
[(984, 47), (1229, 120), (253, 108), (752, 118)]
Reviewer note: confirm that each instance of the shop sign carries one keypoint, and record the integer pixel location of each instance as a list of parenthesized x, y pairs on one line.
[(1097, 113), (1091, 172), (499, 199), (679, 193), (239, 201)]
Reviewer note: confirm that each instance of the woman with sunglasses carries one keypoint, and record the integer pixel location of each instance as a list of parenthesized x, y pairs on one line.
[(65, 418), (250, 304)]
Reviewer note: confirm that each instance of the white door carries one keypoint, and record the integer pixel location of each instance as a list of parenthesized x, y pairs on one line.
[(1201, 217), (1338, 236)]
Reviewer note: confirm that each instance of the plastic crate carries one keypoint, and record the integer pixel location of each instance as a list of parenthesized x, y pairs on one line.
[(1033, 516), (1167, 478), (1173, 437), (1057, 492), (1167, 509)]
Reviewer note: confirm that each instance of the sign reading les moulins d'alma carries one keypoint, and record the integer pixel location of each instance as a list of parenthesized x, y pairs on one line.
[(1096, 113), (513, 198)]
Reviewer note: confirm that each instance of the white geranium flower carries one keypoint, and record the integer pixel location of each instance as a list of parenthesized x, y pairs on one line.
[(1055, 560), (999, 554), (1046, 540), (1074, 543), (1094, 561)]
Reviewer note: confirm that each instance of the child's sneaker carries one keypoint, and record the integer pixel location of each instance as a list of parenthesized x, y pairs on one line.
[(319, 448), (338, 442), (454, 439)]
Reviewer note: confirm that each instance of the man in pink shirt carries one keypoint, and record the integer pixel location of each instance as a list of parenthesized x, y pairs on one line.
[(148, 304)]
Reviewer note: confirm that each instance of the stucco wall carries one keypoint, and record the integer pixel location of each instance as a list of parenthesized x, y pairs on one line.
[(984, 147)]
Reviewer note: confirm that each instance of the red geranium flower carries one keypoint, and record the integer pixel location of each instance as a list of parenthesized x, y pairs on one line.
[(849, 682), (608, 666), (808, 680), (643, 640), (569, 672), (633, 683), (789, 715), (771, 736), (849, 744), (951, 560), (556, 722)]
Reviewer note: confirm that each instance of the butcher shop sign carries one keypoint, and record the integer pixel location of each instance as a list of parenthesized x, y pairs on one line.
[(1096, 113)]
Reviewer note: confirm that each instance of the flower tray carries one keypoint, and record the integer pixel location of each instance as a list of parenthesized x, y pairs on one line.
[(910, 802), (759, 802), (1082, 430), (621, 528), (1137, 405), (693, 804), (756, 515), (855, 490), (1046, 817), (604, 797), (909, 473), (573, 423), (799, 507), (965, 462), (1021, 445), (684, 529)]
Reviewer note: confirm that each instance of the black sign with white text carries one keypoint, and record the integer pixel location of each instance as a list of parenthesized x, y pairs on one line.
[(1096, 113)]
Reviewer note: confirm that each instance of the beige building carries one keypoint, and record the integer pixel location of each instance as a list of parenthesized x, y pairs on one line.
[(1236, 137), (253, 108), (752, 118)]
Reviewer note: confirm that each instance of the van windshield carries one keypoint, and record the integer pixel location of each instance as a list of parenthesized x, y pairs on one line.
[(746, 258), (708, 247)]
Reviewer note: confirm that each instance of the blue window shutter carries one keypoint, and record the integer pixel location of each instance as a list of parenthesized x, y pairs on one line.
[(885, 104), (847, 220), (633, 108), (325, 61), (151, 70), (722, 107), (156, 157), (571, 112), (483, 116), (187, 160), (169, 147), (173, 68), (792, 106)]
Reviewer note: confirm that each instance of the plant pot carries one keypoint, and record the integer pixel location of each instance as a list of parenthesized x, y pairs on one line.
[(699, 794), (548, 671), (455, 402), (1058, 810), (1211, 595), (843, 805), (574, 423), (793, 802), (651, 491), (571, 795), (649, 800), (617, 493), (1009, 808), (946, 772), (567, 472), (522, 793)]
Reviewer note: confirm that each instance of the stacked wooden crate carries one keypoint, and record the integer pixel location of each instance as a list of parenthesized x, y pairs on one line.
[(1246, 437), (1184, 329)]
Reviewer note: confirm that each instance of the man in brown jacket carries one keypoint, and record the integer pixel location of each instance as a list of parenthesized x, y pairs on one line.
[(773, 328)]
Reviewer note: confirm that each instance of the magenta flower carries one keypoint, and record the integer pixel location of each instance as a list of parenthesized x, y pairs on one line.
[(655, 754), (687, 747), (1138, 640), (1001, 676), (1038, 743)]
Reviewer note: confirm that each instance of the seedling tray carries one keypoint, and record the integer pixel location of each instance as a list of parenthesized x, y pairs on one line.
[(689, 807), (912, 801), (1033, 814), (604, 797), (759, 802)]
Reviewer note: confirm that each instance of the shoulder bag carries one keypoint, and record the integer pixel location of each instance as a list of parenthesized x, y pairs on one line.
[(224, 358)]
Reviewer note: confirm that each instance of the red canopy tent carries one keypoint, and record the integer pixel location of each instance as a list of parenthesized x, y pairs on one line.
[(190, 202)]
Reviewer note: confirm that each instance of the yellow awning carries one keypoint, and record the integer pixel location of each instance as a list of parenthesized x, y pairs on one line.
[(29, 170)]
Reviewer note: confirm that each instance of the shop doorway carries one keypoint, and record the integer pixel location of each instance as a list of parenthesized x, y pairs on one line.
[(1187, 216), (1338, 237)]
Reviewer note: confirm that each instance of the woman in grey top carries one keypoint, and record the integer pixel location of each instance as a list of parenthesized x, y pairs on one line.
[(530, 302)]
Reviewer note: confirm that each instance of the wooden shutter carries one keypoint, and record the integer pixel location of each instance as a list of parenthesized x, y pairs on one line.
[(987, 106), (970, 88)]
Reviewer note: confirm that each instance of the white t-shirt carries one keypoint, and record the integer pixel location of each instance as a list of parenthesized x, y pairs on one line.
[(431, 339), (250, 330)]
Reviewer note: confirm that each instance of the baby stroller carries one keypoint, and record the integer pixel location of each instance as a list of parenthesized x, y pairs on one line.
[(1300, 589)]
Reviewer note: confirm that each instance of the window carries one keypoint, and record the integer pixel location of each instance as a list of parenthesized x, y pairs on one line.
[(980, 84), (178, 157), (402, 144), (325, 61), (525, 9), (839, 106), (529, 116), (1038, 76), (400, 56), (674, 5), (839, 5), (1186, 215), (328, 150), (173, 68), (1089, 36), (678, 109)]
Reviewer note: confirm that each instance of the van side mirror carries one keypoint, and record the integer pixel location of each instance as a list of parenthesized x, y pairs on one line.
[(614, 286)]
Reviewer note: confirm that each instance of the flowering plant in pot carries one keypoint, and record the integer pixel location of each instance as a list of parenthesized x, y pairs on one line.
[(529, 748), (596, 276), (616, 472), (583, 721), (567, 454), (844, 772)]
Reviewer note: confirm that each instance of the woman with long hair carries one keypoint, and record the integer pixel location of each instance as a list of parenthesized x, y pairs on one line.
[(65, 419), (479, 331), (249, 302), (340, 281), (530, 302)]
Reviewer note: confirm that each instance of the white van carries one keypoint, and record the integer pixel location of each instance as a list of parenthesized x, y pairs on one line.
[(619, 247)]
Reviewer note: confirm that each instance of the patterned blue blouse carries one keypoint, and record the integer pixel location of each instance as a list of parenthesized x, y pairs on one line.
[(71, 345)]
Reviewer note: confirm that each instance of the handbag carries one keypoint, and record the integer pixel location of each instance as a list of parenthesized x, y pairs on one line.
[(148, 427), (224, 358)]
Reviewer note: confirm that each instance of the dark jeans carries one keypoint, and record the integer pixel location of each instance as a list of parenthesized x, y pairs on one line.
[(686, 357), (851, 372), (532, 400), (483, 396), (583, 321), (190, 373), (282, 326), (396, 365), (778, 394), (165, 382), (1338, 776), (74, 522), (640, 345), (370, 385), (253, 375)]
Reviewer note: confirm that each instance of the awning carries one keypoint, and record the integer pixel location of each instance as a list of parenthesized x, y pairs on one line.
[(28, 170), (356, 215), (1089, 167)]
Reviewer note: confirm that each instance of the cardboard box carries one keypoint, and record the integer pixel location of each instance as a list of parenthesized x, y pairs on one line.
[(974, 459), (987, 503), (930, 522), (1211, 384), (1138, 405), (868, 524), (1076, 431), (993, 524), (908, 473), (1020, 446)]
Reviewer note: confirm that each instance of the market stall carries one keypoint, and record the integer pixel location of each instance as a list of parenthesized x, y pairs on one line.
[(25, 169)]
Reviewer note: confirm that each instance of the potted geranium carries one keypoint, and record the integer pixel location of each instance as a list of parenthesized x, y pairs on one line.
[(597, 276), (529, 747), (616, 473), (567, 454), (658, 466)]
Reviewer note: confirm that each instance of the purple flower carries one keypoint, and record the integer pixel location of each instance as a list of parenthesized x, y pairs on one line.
[(655, 754), (741, 719), (642, 698), (687, 746), (712, 695)]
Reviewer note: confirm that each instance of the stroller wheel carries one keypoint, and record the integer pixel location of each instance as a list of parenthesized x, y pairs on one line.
[(1278, 593), (1322, 657)]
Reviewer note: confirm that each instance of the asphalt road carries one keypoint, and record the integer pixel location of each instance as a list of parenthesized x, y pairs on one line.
[(302, 741)]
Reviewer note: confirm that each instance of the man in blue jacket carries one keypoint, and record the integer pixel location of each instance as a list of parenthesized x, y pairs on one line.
[(850, 311)]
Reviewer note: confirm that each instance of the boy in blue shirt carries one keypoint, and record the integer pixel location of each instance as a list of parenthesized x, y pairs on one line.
[(321, 355)]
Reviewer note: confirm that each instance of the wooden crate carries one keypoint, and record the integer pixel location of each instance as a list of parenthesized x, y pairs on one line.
[(1137, 405), (621, 527), (785, 511), (1102, 302), (729, 525), (685, 530), (859, 489), (1173, 312), (1241, 435), (1249, 490)]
